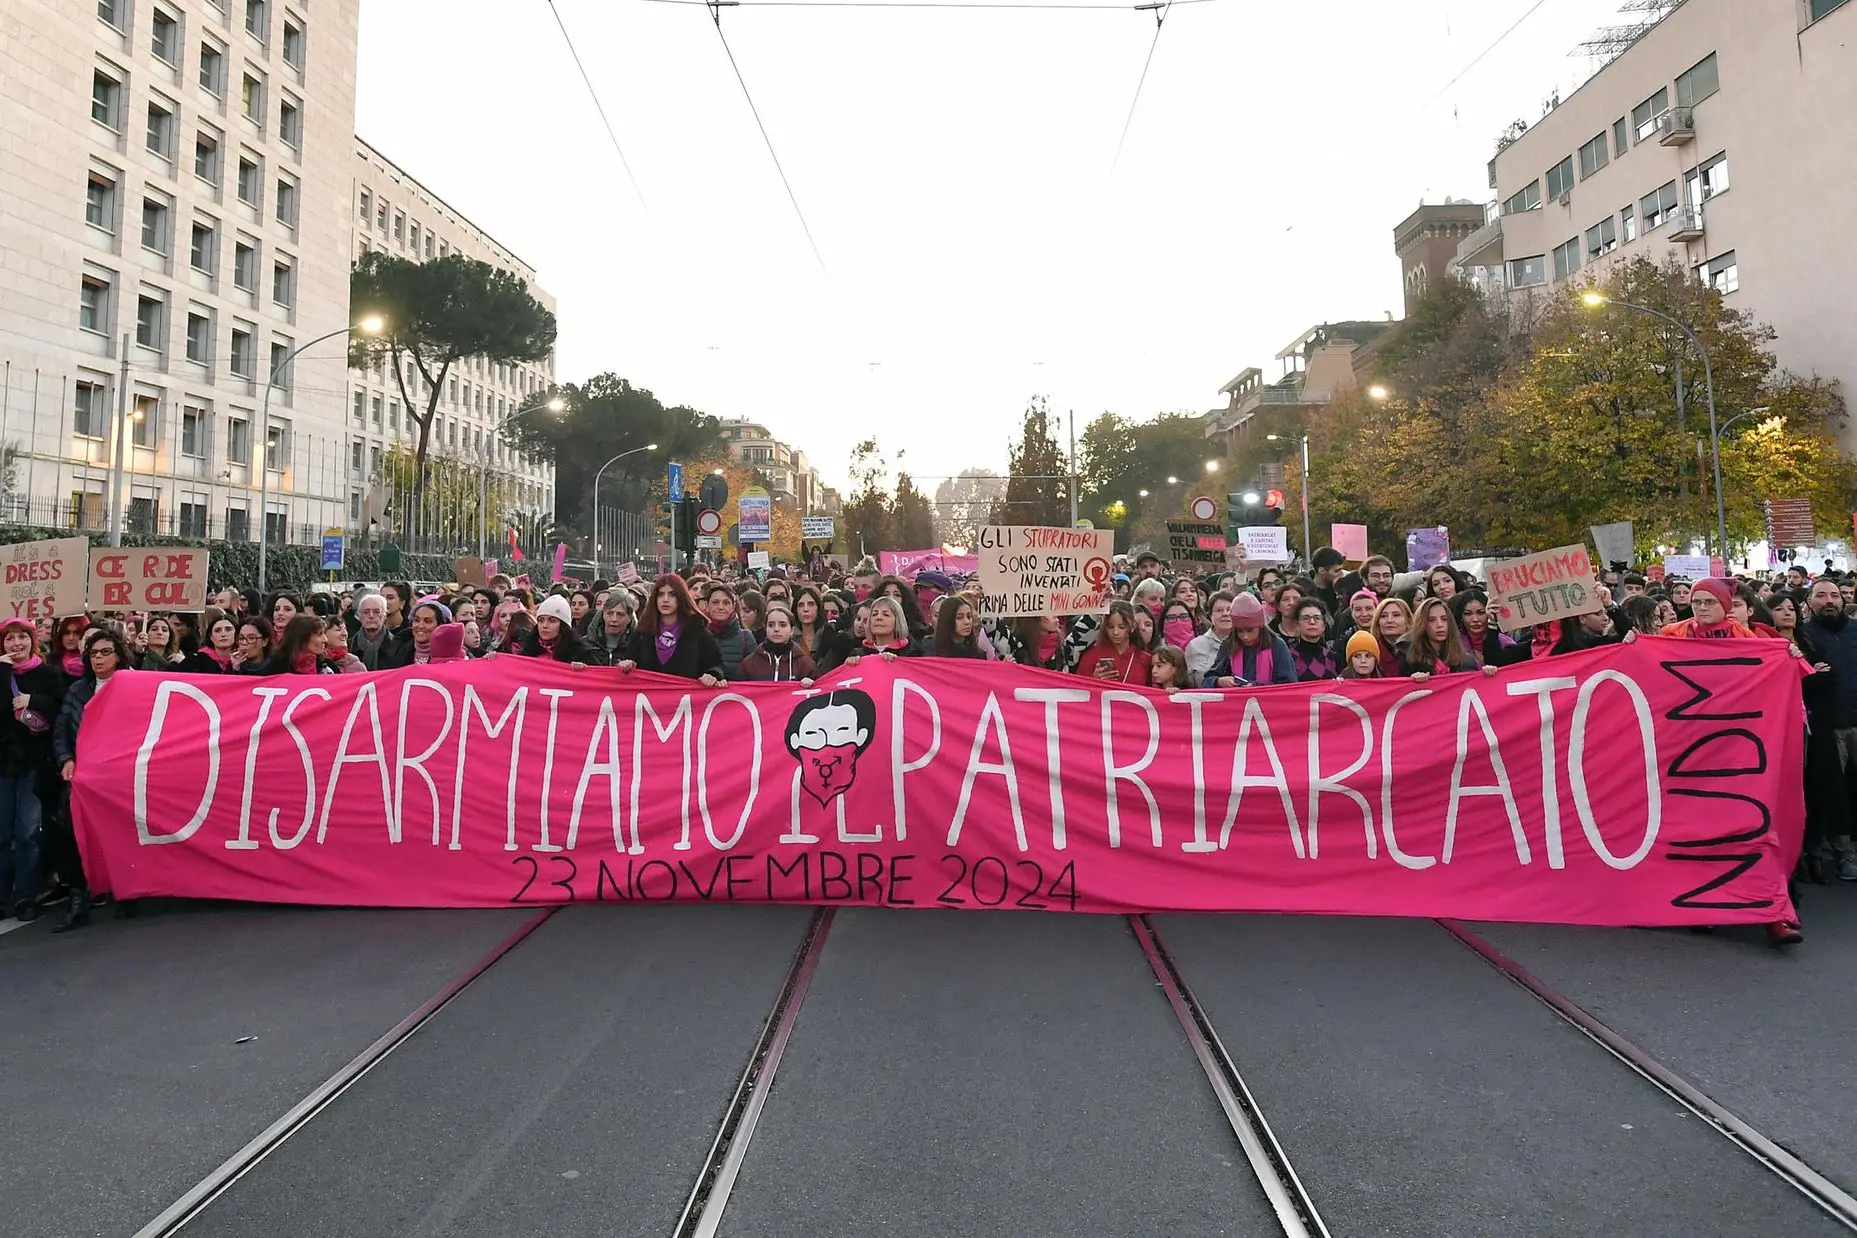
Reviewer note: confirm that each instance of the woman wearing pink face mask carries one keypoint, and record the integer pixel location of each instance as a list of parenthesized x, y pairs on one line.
[(1178, 625)]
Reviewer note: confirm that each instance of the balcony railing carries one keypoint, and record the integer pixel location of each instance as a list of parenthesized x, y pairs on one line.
[(1483, 247)]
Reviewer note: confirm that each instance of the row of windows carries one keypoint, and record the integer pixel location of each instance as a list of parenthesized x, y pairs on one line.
[(446, 432), (1701, 183), (165, 29), (203, 242), (108, 92), (91, 416), (1692, 86)]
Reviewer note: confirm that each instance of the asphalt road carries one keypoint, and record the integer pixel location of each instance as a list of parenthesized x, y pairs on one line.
[(949, 1072)]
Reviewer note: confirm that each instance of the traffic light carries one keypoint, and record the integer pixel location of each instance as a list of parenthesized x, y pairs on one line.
[(1273, 507), (686, 525)]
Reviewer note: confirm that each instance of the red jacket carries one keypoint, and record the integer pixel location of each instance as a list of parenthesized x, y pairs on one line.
[(1131, 667)]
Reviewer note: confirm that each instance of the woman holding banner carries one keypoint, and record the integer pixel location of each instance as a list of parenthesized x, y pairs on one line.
[(886, 632), (105, 655), (1253, 656), (37, 689), (673, 638), (1435, 648)]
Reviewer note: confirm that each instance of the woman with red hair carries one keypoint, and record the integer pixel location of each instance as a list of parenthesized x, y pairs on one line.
[(673, 638)]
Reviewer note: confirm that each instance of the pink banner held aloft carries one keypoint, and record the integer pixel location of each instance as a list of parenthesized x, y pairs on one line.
[(906, 563), (1647, 784)]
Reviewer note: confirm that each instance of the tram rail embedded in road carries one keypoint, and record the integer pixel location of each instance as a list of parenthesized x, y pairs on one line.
[(715, 1180), (1828, 1195), (201, 1196), (1289, 1199)]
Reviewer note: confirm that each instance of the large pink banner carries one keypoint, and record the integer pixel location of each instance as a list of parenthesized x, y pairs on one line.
[(1654, 783), (907, 563)]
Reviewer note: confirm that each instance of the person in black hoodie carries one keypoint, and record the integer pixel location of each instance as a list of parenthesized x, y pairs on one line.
[(37, 691), (105, 655), (673, 638)]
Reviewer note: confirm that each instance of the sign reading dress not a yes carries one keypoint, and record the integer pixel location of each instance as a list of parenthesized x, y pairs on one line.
[(1037, 570)]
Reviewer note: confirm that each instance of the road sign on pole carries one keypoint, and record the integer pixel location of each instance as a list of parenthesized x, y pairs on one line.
[(676, 480), (334, 542)]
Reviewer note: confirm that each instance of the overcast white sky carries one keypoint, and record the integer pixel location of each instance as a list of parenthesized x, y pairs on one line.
[(955, 170)]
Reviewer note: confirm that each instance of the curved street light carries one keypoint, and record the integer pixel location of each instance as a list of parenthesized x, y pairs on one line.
[(1595, 299), (373, 324), (596, 496)]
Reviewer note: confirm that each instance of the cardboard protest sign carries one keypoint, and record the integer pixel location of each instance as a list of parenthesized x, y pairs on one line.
[(1692, 567), (45, 579), (468, 571), (147, 578), (1038, 570), (1614, 542), (1427, 548), (1192, 541), (816, 528), (1350, 540), (1265, 543), (627, 574), (758, 561), (1539, 588)]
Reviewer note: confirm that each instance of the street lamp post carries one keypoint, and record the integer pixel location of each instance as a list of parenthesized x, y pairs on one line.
[(1596, 300), (554, 404), (371, 325), (596, 497), (1308, 553)]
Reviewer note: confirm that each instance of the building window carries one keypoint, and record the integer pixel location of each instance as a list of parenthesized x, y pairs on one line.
[(399, 228), (1654, 208), (88, 407), (155, 232), (1593, 156), (1819, 8), (193, 520), (361, 404), (110, 13), (1699, 82), (374, 407), (203, 250), (206, 157), (250, 182), (414, 236), (150, 322), (1707, 181), (106, 94), (1527, 272), (160, 137), (357, 456), (286, 201), (238, 520), (144, 412), (290, 124), (243, 359), (238, 450), (165, 38), (284, 284), (1566, 258), (1621, 137), (1720, 273), (1628, 224), (1644, 116), (380, 216), (1525, 199), (245, 267), (1560, 179), (251, 99), (1601, 238), (393, 414), (199, 339), (193, 437), (258, 19), (280, 364), (100, 202), (93, 305), (212, 69), (293, 45), (373, 462)]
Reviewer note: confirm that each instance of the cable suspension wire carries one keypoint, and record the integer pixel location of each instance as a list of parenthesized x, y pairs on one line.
[(715, 11), (1465, 71), (1160, 19), (597, 105), (920, 4)]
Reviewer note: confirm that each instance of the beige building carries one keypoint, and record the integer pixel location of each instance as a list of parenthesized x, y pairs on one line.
[(790, 476), (1313, 367), (173, 175), (391, 211), (1721, 137)]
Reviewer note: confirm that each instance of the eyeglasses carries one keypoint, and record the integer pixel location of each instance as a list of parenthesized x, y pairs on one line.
[(103, 651)]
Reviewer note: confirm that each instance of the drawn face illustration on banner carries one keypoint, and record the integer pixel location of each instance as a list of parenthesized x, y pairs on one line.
[(826, 734)]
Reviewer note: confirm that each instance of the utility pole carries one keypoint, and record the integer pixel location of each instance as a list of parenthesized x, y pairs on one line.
[(1072, 415), (116, 466)]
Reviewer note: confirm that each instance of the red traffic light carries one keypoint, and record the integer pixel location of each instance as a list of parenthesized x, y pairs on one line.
[(1273, 498)]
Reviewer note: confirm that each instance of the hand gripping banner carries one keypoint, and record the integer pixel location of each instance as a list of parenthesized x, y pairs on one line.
[(1648, 784)]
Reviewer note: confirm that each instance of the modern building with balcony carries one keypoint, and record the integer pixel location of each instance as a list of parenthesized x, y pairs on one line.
[(752, 445), (1638, 162), (1314, 366)]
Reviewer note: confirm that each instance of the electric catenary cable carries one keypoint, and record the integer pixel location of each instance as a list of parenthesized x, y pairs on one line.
[(597, 105), (715, 12), (1160, 18)]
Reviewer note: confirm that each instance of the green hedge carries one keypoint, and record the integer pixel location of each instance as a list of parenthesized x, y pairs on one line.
[(236, 563)]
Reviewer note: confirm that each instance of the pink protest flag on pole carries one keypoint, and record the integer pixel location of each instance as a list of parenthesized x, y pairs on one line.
[(560, 567)]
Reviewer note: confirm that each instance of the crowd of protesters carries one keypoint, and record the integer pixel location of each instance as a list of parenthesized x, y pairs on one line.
[(1165, 629)]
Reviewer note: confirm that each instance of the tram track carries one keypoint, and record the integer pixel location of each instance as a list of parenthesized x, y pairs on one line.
[(1827, 1195), (197, 1199), (1289, 1200)]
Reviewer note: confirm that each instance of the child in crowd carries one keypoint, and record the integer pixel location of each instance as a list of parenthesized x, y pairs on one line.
[(1363, 657)]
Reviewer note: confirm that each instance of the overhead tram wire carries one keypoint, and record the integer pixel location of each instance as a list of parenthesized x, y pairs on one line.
[(715, 12), (923, 4), (1465, 71), (1160, 19), (597, 105)]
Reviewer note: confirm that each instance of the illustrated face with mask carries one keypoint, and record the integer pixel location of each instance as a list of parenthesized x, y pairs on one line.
[(826, 737)]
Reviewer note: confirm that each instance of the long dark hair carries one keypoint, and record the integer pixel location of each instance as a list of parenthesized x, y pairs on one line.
[(1421, 653), (912, 613), (296, 637), (264, 629), (650, 622), (947, 644)]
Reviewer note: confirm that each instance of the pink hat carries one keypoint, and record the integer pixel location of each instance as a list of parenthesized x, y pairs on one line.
[(1247, 611), (1721, 590), (447, 643), (1369, 594)]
